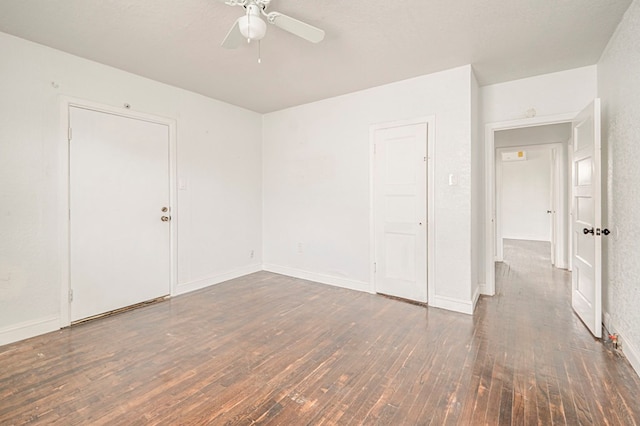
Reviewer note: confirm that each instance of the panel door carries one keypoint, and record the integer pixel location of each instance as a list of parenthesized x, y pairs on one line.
[(119, 185), (586, 294), (400, 211)]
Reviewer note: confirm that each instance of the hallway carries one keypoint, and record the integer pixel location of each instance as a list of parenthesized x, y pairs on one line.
[(271, 349)]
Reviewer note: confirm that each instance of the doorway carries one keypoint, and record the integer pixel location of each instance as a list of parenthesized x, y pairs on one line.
[(584, 226), (490, 231), (120, 199), (531, 190)]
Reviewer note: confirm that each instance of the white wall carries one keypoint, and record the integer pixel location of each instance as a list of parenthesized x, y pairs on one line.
[(316, 183), (549, 94), (219, 156), (523, 194), (619, 88)]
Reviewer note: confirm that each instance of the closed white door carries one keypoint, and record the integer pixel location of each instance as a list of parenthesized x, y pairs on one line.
[(119, 185), (586, 295), (400, 211)]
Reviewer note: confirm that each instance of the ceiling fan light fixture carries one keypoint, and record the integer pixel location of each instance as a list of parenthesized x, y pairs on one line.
[(252, 27)]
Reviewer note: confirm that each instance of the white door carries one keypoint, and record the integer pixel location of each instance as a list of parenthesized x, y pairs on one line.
[(553, 206), (119, 184), (586, 295), (400, 211)]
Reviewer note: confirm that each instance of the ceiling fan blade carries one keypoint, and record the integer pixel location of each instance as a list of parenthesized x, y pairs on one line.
[(234, 2), (299, 28), (234, 38)]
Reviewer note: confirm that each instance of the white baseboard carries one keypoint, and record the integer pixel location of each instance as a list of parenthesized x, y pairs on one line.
[(320, 278), (474, 299), (452, 304), (216, 279), (631, 352), (28, 329), (629, 349), (484, 290)]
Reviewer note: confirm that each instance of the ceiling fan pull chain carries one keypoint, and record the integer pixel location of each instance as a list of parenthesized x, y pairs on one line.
[(248, 26)]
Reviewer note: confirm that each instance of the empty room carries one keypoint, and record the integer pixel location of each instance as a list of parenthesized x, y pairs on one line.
[(319, 212)]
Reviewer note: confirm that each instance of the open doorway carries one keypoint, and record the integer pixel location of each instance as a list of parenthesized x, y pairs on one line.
[(490, 249), (585, 226), (531, 189)]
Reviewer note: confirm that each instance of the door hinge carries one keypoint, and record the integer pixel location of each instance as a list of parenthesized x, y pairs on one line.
[(70, 295), (597, 231), (425, 159), (375, 267), (69, 134)]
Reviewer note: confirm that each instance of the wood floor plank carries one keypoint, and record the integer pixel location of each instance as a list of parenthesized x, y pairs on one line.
[(274, 350)]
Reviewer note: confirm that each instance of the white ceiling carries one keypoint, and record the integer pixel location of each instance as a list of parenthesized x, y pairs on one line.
[(367, 43)]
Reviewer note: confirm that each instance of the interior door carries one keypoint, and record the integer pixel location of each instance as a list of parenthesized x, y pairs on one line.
[(553, 206), (119, 185), (586, 295), (400, 211)]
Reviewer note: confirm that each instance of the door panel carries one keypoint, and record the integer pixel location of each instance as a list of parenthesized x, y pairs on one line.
[(400, 191), (586, 275), (119, 183)]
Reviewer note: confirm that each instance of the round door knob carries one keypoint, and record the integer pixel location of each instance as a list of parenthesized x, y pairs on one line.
[(587, 231), (165, 218), (605, 231)]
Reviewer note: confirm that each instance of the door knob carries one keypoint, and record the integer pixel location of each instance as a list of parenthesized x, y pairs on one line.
[(165, 218), (587, 231), (605, 231)]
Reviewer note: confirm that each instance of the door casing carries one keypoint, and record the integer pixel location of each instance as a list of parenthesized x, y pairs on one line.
[(489, 286), (63, 190)]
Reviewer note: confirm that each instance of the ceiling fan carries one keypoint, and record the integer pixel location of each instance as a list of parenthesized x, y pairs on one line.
[(252, 27)]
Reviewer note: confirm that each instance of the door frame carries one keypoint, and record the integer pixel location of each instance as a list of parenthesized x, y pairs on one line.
[(66, 103), (557, 202), (430, 121), (489, 287)]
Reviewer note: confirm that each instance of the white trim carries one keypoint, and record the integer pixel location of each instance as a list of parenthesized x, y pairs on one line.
[(319, 278), (489, 170), (453, 304), (631, 353), (63, 190), (474, 299), (629, 350), (201, 283), (27, 329), (430, 121)]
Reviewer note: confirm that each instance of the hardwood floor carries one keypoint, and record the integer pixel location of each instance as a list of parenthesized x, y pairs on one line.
[(269, 349)]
